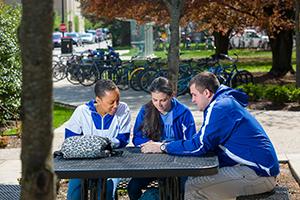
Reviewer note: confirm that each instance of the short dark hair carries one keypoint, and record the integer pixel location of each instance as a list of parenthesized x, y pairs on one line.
[(102, 86), (205, 80)]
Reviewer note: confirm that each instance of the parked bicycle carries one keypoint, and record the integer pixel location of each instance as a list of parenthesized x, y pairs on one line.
[(229, 74)]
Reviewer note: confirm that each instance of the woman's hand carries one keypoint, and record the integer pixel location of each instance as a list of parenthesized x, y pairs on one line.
[(151, 147)]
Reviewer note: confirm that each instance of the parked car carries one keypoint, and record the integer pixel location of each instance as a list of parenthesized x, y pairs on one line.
[(249, 38), (92, 32), (99, 35), (75, 38), (87, 38), (56, 39)]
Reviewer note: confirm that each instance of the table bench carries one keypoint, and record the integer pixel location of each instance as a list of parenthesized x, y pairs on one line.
[(11, 192)]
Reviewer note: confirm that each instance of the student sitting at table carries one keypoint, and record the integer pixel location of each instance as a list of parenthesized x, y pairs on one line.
[(247, 159), (105, 116), (163, 118)]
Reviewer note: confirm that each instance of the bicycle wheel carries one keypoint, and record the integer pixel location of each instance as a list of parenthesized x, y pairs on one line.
[(162, 72), (146, 79), (110, 74), (122, 79), (183, 86), (134, 79), (58, 71), (222, 79), (241, 77), (73, 74), (89, 74)]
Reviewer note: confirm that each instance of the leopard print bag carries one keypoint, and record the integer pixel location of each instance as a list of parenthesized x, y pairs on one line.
[(87, 146)]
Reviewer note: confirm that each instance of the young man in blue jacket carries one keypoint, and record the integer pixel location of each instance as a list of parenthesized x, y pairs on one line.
[(248, 162)]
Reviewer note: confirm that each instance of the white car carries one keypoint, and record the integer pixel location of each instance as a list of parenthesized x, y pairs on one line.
[(87, 38), (75, 38), (56, 39), (249, 39)]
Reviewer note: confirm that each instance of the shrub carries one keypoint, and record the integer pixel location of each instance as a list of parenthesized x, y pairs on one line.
[(255, 92), (277, 94), (295, 95), (10, 63)]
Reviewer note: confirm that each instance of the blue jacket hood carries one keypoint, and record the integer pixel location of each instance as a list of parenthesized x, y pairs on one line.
[(178, 108), (239, 96), (91, 105)]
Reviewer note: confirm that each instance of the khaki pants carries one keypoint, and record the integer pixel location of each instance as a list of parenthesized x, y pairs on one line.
[(229, 183)]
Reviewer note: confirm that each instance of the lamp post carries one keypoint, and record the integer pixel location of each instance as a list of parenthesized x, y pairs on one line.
[(62, 14)]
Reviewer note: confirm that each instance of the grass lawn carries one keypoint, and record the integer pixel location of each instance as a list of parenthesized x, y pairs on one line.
[(60, 115)]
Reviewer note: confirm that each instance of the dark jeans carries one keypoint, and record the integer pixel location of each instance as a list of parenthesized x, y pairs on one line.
[(136, 185)]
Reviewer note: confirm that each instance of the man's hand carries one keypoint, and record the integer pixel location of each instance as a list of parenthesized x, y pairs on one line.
[(151, 147)]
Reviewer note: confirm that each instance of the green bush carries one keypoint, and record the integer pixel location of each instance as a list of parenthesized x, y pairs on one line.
[(10, 63), (277, 94), (295, 95), (255, 92)]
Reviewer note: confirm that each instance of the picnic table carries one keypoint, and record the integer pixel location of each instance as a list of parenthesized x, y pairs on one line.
[(133, 163)]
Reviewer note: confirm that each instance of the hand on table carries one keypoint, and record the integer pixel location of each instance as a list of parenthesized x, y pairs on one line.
[(151, 147)]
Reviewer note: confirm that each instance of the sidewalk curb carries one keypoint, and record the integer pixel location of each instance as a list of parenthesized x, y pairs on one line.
[(64, 105), (294, 173)]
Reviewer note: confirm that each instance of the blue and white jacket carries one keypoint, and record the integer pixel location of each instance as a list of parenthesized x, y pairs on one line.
[(86, 121), (231, 132), (183, 123)]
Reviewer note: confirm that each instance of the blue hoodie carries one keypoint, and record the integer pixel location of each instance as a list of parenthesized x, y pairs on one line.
[(183, 123), (231, 132)]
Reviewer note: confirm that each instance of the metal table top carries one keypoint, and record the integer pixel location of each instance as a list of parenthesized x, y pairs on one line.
[(133, 163)]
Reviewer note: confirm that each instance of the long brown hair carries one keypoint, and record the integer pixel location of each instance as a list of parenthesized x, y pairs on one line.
[(152, 126)]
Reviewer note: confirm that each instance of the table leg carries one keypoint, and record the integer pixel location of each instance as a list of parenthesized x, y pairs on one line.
[(84, 188), (162, 189), (94, 189), (103, 188), (170, 188)]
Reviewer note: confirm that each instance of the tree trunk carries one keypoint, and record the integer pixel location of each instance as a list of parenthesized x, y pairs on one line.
[(175, 10), (297, 44), (36, 52), (282, 46), (221, 42)]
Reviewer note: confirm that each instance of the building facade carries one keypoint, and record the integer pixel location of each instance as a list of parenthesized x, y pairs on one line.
[(70, 9)]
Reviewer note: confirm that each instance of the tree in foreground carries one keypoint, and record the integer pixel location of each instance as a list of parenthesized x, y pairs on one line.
[(36, 100)]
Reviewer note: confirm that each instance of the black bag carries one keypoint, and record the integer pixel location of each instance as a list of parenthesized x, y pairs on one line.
[(87, 146)]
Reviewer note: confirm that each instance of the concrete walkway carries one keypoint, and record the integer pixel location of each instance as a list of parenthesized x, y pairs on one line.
[(283, 127)]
